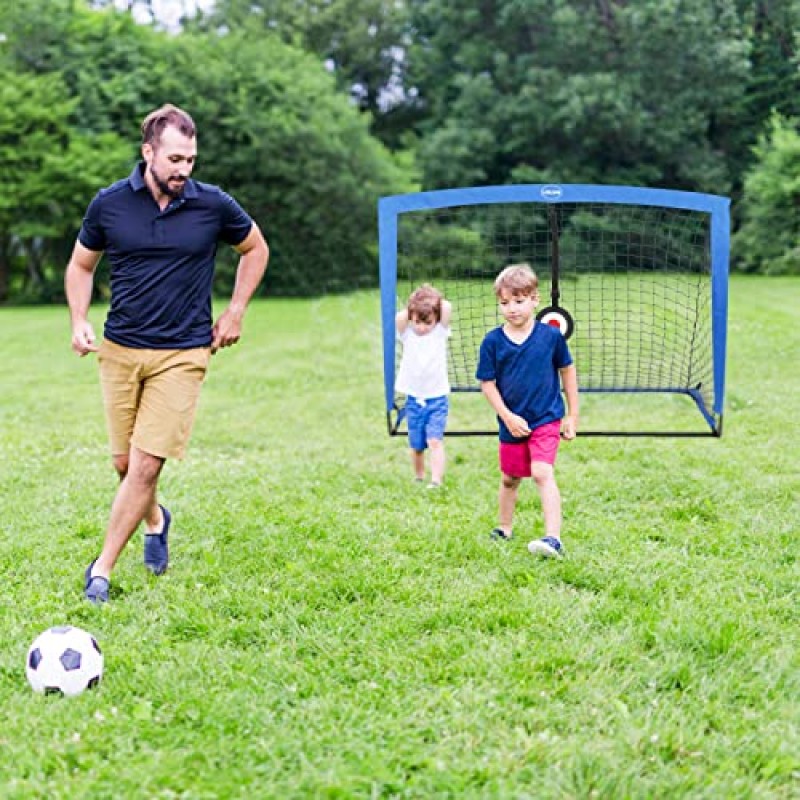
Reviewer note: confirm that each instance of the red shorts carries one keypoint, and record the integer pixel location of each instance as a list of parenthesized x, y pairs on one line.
[(542, 445)]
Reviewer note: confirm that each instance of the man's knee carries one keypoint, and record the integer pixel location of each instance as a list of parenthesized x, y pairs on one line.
[(145, 468)]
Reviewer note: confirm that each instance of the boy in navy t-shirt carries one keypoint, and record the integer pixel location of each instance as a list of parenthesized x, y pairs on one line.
[(522, 366)]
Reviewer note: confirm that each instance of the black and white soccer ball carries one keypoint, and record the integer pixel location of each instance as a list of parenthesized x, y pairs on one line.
[(64, 660)]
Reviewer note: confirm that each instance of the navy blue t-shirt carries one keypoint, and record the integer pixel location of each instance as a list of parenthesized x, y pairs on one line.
[(526, 374), (162, 262)]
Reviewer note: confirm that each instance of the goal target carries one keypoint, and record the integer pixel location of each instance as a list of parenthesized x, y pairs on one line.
[(635, 278)]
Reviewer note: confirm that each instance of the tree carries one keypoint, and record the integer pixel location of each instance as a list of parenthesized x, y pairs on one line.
[(47, 170), (769, 239), (273, 129), (75, 82), (113, 66), (360, 41), (772, 31), (575, 90)]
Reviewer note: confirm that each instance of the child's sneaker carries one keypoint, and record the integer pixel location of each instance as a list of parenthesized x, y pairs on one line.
[(548, 547)]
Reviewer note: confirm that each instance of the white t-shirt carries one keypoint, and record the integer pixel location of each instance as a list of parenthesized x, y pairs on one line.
[(423, 366)]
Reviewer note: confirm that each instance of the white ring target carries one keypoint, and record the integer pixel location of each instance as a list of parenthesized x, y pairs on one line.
[(558, 318)]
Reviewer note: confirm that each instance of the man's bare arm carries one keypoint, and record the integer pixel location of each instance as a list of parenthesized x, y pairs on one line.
[(78, 283), (252, 265)]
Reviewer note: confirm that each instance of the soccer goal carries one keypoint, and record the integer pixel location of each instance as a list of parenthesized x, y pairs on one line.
[(635, 278)]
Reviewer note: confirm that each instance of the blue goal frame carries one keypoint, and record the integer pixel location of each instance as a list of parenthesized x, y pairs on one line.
[(716, 206)]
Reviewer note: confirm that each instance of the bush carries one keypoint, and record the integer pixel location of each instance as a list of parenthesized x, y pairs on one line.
[(768, 241), (294, 151)]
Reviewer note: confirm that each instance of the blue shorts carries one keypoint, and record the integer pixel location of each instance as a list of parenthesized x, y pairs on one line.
[(426, 420)]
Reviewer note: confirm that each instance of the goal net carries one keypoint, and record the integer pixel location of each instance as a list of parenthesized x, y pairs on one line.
[(635, 278)]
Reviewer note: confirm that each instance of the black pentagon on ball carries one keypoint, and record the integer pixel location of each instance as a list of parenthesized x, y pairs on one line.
[(95, 645), (34, 658), (93, 682), (71, 659)]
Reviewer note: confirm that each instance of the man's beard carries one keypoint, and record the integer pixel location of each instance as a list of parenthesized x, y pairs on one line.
[(165, 187)]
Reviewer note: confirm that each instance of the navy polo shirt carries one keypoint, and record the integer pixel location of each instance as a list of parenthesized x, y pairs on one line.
[(527, 374), (162, 262)]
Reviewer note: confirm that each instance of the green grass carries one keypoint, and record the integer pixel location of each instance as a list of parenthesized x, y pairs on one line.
[(329, 630)]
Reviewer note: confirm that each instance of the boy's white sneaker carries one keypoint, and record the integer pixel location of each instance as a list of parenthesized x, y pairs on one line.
[(548, 547)]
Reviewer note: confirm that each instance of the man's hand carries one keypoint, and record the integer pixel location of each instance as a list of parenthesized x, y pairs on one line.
[(83, 339), (227, 330)]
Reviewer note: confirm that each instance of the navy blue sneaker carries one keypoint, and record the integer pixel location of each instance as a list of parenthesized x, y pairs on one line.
[(95, 590), (156, 551), (549, 547), (500, 535)]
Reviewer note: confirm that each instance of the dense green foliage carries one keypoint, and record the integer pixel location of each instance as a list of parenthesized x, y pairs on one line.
[(329, 629), (580, 92), (299, 156), (665, 93), (273, 129), (358, 39), (769, 239), (49, 168)]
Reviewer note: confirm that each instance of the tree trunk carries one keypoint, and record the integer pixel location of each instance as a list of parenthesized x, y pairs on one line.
[(34, 279)]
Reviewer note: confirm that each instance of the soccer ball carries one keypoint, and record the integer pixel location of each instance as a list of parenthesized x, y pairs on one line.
[(64, 660)]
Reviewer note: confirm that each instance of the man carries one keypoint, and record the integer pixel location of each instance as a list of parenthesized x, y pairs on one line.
[(159, 230)]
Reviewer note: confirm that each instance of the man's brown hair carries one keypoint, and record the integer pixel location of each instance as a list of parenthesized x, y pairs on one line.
[(155, 122)]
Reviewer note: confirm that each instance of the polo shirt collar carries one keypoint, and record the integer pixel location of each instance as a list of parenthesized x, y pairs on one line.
[(136, 180)]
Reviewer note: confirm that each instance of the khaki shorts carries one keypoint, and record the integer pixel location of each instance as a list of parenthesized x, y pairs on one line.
[(150, 396)]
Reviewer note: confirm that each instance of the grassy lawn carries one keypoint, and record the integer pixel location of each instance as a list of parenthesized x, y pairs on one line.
[(328, 629)]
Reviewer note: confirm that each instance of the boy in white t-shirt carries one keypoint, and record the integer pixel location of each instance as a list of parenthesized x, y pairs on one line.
[(423, 327)]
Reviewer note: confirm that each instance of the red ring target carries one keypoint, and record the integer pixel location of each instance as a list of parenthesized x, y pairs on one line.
[(558, 318)]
